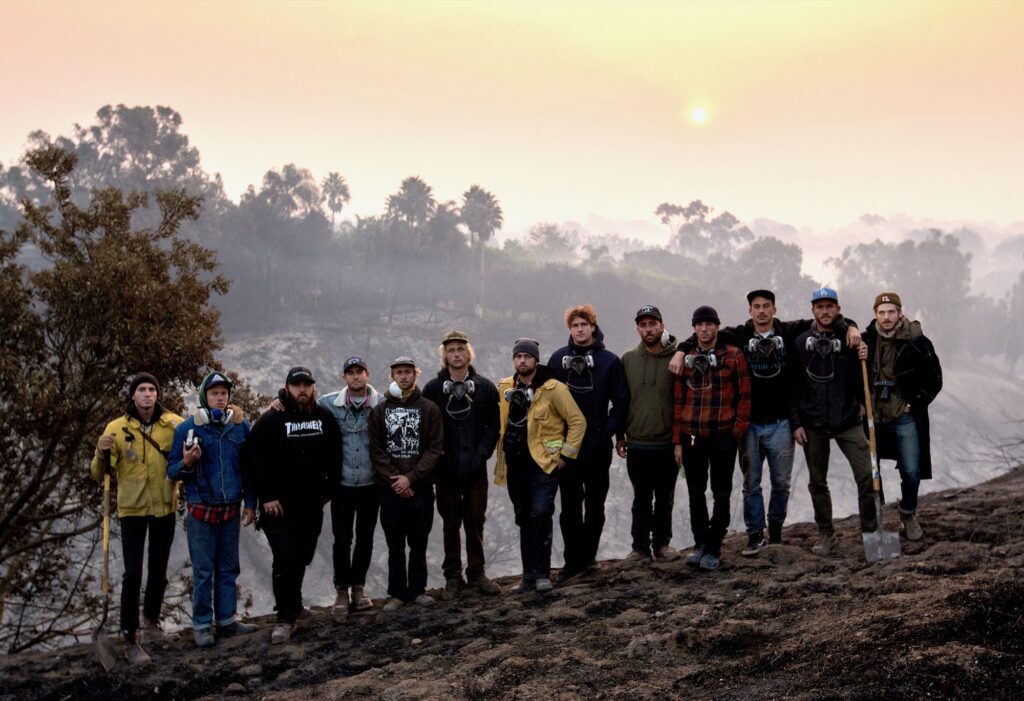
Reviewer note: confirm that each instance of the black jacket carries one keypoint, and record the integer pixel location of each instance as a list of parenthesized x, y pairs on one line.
[(294, 457), (919, 379), (471, 427), (608, 380), (406, 438), (827, 405)]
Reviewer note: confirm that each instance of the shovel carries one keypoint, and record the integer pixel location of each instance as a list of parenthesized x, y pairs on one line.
[(878, 544), (100, 641)]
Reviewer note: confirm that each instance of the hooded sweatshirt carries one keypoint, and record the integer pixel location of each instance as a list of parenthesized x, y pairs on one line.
[(406, 438), (649, 421)]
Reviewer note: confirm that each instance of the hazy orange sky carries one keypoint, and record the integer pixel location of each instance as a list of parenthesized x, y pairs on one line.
[(818, 111)]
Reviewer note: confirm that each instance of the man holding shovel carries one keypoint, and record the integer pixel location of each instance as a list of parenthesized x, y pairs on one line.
[(138, 443), (905, 377)]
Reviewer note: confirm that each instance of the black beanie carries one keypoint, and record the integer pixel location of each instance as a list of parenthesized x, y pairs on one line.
[(705, 313), (527, 345), (139, 379)]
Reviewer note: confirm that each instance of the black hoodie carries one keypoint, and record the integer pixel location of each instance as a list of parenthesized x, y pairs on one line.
[(470, 427)]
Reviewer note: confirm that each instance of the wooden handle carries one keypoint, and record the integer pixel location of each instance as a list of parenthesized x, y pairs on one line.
[(875, 479)]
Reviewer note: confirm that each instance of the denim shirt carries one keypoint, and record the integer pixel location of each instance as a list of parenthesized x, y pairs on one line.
[(217, 477), (356, 468)]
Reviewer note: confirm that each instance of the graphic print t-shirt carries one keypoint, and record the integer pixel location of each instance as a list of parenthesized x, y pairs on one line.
[(403, 431)]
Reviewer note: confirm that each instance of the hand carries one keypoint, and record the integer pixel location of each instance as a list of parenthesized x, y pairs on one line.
[(800, 436), (676, 365), (276, 405), (273, 508), (852, 337), (861, 411), (862, 352), (192, 455), (678, 453), (104, 443), (401, 485), (906, 408), (248, 516), (620, 448)]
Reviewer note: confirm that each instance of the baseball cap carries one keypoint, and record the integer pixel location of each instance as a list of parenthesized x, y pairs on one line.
[(299, 374), (824, 293), (648, 310)]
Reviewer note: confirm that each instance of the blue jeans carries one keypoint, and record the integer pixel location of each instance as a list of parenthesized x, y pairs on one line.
[(899, 438), (213, 548), (774, 442)]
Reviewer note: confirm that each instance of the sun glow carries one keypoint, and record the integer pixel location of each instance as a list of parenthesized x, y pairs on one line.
[(699, 115)]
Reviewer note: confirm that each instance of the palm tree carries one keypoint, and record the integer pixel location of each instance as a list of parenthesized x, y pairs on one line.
[(413, 203), (335, 193), (482, 215)]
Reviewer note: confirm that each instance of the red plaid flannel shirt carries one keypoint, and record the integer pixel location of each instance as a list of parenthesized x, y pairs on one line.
[(721, 403), (213, 513)]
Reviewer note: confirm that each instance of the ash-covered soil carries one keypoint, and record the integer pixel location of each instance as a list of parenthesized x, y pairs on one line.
[(944, 621)]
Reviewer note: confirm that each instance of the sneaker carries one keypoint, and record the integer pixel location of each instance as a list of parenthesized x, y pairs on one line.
[(755, 542), (393, 604), (203, 637), (342, 600), (693, 559), (423, 600), (774, 533), (360, 601), (282, 633), (826, 545), (236, 628), (710, 562), (637, 556), (593, 566), (911, 526), (524, 585), (452, 587), (484, 585), (544, 584), (666, 553)]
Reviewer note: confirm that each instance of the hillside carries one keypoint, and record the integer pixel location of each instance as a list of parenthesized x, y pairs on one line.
[(944, 621)]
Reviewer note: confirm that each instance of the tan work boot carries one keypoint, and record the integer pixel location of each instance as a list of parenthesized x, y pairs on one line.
[(360, 601), (484, 585), (826, 545), (911, 526), (342, 601)]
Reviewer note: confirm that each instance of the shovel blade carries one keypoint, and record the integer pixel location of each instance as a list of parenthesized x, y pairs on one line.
[(881, 545), (104, 650)]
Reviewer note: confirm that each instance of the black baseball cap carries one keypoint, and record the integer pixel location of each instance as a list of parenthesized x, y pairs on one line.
[(299, 374), (648, 310), (354, 361), (767, 294)]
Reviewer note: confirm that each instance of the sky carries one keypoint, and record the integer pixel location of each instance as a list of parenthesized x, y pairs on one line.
[(816, 112)]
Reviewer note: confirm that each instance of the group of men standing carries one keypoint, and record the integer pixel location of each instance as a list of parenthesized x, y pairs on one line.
[(667, 407)]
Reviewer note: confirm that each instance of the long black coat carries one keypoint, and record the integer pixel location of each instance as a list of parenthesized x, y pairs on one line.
[(919, 380), (469, 436)]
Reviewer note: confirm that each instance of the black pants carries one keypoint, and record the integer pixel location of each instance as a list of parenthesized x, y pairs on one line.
[(463, 506), (133, 547), (358, 505), (715, 456), (292, 539), (653, 472), (532, 492), (584, 485), (407, 522)]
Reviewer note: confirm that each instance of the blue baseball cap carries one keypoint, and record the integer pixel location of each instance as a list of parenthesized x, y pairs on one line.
[(824, 293), (354, 361)]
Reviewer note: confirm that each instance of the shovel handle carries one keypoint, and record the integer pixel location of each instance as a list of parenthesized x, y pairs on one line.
[(876, 483), (106, 525)]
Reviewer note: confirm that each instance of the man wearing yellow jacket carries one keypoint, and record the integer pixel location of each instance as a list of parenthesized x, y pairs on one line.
[(139, 443), (541, 431)]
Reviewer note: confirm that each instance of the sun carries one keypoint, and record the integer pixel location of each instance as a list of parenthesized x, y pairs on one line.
[(699, 115)]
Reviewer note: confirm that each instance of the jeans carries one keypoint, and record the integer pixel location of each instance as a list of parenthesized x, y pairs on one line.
[(532, 492), (361, 505), (463, 506), (584, 483), (292, 539), (407, 521), (855, 447), (653, 473), (773, 441), (714, 457), (133, 547), (213, 548), (899, 438)]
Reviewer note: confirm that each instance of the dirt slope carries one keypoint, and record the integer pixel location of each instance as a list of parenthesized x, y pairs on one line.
[(944, 621)]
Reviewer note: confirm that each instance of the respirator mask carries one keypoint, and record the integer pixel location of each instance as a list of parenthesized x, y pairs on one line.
[(700, 364), (823, 349), (519, 401), (461, 394), (761, 352), (577, 365)]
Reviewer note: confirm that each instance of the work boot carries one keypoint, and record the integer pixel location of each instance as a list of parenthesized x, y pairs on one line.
[(282, 633), (360, 601), (393, 604), (452, 587), (911, 526), (484, 585), (637, 556), (342, 600), (774, 533), (544, 584), (592, 566), (524, 585), (203, 637), (423, 600), (666, 553), (236, 628), (826, 545), (694, 558), (710, 562), (153, 632), (755, 542)]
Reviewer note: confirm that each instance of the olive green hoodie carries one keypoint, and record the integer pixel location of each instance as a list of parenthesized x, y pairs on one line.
[(650, 395)]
